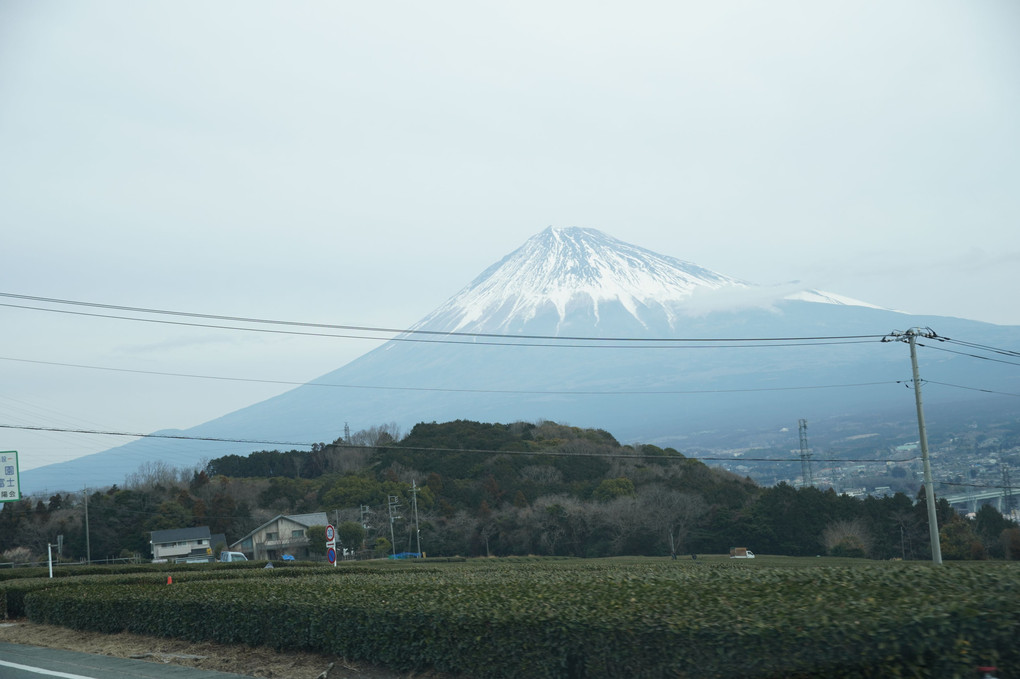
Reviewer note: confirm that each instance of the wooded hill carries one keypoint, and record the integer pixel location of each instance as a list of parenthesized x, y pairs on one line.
[(504, 489)]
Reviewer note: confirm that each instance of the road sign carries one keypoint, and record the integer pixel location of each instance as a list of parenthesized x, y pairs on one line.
[(330, 533), (331, 555), (10, 479)]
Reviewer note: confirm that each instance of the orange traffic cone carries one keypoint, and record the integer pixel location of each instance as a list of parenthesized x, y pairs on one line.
[(169, 579)]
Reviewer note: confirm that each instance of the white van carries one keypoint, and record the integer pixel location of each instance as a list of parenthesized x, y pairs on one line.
[(227, 557)]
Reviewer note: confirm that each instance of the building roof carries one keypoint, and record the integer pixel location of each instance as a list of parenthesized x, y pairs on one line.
[(179, 534), (314, 519)]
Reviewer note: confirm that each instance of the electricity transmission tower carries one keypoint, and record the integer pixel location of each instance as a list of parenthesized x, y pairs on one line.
[(805, 456)]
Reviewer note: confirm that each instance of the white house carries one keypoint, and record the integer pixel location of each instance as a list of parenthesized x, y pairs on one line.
[(280, 535), (185, 544)]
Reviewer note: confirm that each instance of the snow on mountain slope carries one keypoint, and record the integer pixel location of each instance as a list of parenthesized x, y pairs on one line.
[(822, 297)]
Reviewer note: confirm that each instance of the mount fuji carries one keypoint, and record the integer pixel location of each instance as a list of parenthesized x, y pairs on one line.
[(583, 329)]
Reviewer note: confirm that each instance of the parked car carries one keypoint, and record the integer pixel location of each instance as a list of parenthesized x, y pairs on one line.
[(229, 557)]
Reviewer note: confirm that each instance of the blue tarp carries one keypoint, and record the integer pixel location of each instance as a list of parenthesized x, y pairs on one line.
[(406, 555)]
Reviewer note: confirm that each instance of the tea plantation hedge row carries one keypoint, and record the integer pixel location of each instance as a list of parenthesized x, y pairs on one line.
[(589, 619), (13, 590)]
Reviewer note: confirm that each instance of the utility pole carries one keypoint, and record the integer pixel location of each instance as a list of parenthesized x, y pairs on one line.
[(88, 544), (1007, 491), (414, 501), (910, 336), (805, 456), (394, 502)]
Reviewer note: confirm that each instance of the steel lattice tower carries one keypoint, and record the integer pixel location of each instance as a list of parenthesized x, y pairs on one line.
[(805, 456)]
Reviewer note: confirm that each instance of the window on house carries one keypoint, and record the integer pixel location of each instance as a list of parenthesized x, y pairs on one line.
[(297, 533), (272, 536)]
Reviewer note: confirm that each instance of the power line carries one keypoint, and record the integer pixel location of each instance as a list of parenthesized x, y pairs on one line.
[(445, 389), (650, 343), (964, 353), (120, 509), (152, 436), (983, 347), (960, 386), (395, 331)]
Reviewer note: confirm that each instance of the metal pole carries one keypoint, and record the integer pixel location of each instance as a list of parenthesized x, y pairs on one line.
[(49, 553), (929, 489)]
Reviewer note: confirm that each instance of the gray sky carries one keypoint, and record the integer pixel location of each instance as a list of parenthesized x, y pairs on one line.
[(359, 163)]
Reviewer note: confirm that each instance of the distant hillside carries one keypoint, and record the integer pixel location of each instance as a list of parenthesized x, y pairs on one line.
[(475, 489)]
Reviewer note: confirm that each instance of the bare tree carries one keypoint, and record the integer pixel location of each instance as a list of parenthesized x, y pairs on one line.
[(847, 537), (542, 475), (672, 513), (376, 436), (155, 473), (346, 458), (620, 519)]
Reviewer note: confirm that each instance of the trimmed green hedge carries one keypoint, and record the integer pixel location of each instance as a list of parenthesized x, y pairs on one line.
[(585, 619)]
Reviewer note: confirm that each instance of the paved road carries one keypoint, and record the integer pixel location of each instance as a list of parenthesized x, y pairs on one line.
[(33, 662)]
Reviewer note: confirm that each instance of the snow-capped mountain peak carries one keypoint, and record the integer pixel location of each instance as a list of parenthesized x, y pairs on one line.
[(574, 271)]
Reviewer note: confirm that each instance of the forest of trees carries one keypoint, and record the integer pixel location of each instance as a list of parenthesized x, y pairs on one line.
[(500, 489)]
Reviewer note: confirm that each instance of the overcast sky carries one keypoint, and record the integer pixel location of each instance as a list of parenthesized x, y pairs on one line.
[(359, 163)]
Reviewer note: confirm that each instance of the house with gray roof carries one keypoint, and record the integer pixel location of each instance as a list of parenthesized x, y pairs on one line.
[(185, 544)]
